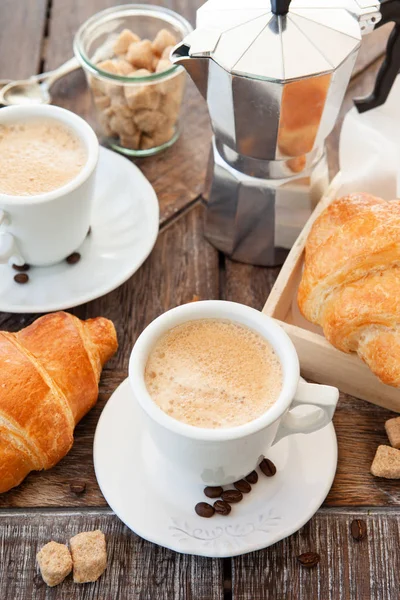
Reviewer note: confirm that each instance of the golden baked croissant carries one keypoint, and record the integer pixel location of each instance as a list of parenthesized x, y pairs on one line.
[(49, 374), (351, 280)]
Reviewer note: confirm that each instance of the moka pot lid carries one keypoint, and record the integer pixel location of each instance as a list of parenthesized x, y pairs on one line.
[(279, 40)]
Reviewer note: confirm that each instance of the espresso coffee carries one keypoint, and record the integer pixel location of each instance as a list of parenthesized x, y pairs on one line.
[(213, 373), (38, 156)]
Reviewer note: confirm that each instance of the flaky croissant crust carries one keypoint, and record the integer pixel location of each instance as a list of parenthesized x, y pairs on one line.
[(351, 280), (49, 374)]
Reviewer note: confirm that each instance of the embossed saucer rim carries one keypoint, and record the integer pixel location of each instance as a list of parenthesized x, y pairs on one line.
[(146, 513)]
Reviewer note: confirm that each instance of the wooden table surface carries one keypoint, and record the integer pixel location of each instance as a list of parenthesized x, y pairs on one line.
[(36, 36)]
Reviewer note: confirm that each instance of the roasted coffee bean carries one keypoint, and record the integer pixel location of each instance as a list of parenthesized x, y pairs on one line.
[(309, 559), (21, 278), (232, 496), (358, 529), (268, 467), (252, 477), (213, 492), (73, 258), (24, 267), (243, 486), (77, 488), (222, 508), (204, 510)]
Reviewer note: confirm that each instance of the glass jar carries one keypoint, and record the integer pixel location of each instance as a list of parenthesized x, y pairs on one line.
[(138, 110)]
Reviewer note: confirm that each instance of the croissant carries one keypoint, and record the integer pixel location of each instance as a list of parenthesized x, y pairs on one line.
[(351, 280), (49, 375)]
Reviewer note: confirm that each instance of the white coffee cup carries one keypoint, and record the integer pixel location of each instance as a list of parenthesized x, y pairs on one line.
[(222, 456), (46, 228)]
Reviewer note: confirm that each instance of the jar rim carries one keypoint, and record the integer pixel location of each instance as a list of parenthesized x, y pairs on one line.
[(167, 15)]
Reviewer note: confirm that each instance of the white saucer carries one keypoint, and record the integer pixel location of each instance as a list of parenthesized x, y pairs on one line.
[(157, 505), (124, 230)]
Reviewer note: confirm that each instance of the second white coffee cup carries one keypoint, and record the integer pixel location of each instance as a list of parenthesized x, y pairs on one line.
[(44, 229), (222, 456)]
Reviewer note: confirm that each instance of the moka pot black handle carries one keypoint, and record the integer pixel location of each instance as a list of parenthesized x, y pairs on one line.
[(390, 10)]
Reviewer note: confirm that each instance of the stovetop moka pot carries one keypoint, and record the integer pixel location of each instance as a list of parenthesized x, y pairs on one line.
[(274, 74)]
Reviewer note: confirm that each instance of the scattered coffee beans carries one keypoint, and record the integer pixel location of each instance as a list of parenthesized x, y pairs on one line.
[(309, 559), (204, 510), (268, 467), (24, 267), (252, 477), (222, 508), (77, 488), (232, 496), (73, 258), (213, 492), (358, 529), (21, 278), (243, 486)]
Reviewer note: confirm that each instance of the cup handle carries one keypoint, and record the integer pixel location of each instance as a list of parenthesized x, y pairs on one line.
[(8, 248), (324, 397)]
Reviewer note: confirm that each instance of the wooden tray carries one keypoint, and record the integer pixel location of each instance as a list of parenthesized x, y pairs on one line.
[(319, 360)]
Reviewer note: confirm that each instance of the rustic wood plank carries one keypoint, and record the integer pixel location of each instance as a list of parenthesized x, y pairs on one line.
[(178, 173), (154, 289), (247, 284), (349, 569), (360, 430), (136, 569), (181, 265), (359, 427), (22, 27)]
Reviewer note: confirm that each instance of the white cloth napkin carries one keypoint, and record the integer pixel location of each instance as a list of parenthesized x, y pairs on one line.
[(369, 149)]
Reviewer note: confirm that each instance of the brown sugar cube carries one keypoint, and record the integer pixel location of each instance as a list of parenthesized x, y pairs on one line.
[(386, 463), (141, 73), (165, 85), (140, 55), (130, 141), (109, 65), (97, 86), (177, 88), (124, 67), (115, 90), (158, 138), (172, 86), (163, 39), (163, 65), (89, 555), (104, 120), (105, 124), (155, 62), (392, 427), (124, 40), (170, 108), (122, 125), (55, 563), (149, 120), (142, 96), (102, 102), (167, 52), (120, 106)]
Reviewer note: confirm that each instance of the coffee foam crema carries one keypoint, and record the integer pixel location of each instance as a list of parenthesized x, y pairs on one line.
[(213, 373), (38, 156)]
